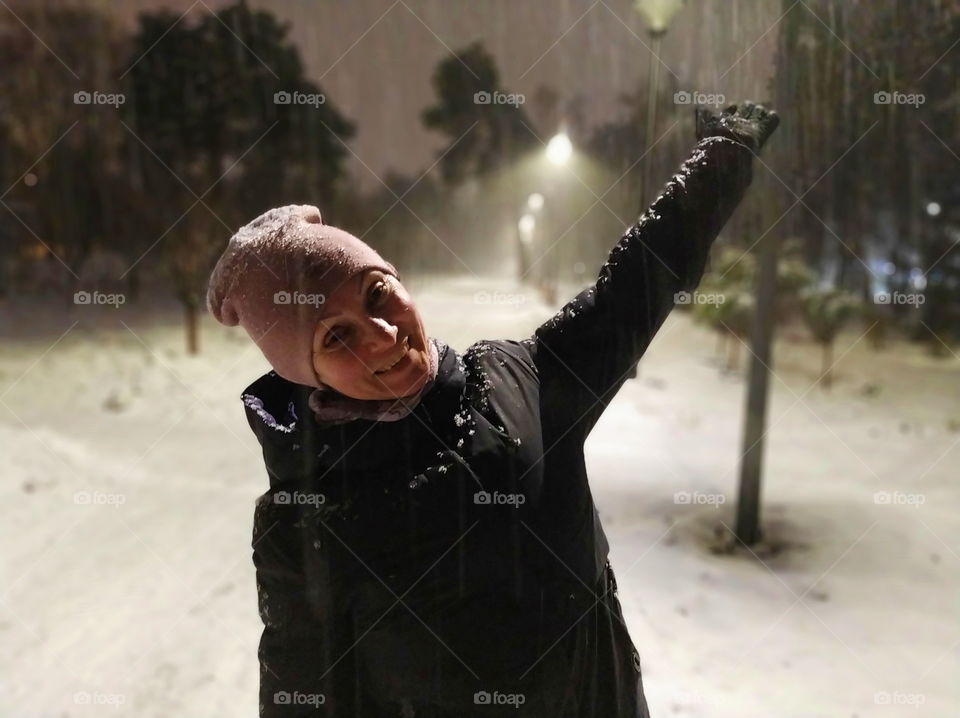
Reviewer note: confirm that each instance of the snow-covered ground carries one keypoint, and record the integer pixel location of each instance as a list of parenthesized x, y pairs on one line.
[(129, 474)]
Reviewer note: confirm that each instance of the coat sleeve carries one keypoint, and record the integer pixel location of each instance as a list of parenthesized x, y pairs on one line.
[(293, 633), (299, 639), (584, 353)]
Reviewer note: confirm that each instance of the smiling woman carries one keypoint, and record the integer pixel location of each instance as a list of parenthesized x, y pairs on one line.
[(449, 564)]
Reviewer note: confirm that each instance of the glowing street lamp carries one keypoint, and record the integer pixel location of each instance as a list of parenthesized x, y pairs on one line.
[(658, 13), (526, 226), (559, 149), (535, 202)]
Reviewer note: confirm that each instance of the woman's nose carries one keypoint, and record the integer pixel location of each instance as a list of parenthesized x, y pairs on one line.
[(381, 334)]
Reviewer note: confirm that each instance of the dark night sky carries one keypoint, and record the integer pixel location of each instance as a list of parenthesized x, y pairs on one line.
[(374, 58)]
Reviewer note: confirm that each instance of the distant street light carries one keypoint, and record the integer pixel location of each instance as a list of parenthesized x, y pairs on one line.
[(526, 226), (559, 149), (535, 202), (933, 209), (658, 13)]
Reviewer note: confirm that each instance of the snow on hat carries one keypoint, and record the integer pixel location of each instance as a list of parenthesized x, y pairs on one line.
[(275, 275)]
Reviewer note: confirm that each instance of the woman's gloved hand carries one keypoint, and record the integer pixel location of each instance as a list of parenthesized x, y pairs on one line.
[(748, 124)]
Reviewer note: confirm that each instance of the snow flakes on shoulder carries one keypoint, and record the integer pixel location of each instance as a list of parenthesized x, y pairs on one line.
[(478, 381), (256, 403)]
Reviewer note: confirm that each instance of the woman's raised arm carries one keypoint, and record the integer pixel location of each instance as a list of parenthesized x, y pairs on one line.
[(585, 352)]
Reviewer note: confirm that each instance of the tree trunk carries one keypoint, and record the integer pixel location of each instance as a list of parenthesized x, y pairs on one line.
[(192, 318), (783, 82), (733, 352), (826, 361)]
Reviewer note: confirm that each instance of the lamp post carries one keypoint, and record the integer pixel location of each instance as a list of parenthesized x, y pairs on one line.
[(747, 529), (525, 229), (658, 14), (559, 151)]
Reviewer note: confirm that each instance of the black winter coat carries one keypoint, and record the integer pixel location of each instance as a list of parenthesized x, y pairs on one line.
[(452, 563)]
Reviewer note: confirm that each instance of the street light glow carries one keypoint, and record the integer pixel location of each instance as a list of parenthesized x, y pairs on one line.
[(933, 209), (658, 13), (526, 225), (535, 202), (559, 149)]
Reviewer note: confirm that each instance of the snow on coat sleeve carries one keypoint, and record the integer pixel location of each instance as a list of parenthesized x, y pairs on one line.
[(584, 352)]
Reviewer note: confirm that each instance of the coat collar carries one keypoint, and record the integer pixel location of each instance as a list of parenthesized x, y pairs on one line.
[(278, 410)]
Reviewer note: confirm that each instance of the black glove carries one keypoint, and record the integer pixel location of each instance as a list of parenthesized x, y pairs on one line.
[(748, 124)]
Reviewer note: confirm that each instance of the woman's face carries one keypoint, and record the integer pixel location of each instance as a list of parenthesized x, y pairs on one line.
[(368, 324)]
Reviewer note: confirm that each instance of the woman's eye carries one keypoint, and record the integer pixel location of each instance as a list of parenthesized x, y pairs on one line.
[(334, 336), (379, 291)]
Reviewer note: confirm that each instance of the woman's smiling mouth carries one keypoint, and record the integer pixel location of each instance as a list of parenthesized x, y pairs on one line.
[(406, 351)]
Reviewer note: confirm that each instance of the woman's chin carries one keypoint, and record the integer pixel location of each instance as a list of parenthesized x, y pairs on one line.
[(414, 379), (405, 383), (418, 385)]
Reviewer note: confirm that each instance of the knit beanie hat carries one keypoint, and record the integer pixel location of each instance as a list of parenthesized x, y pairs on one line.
[(273, 279)]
